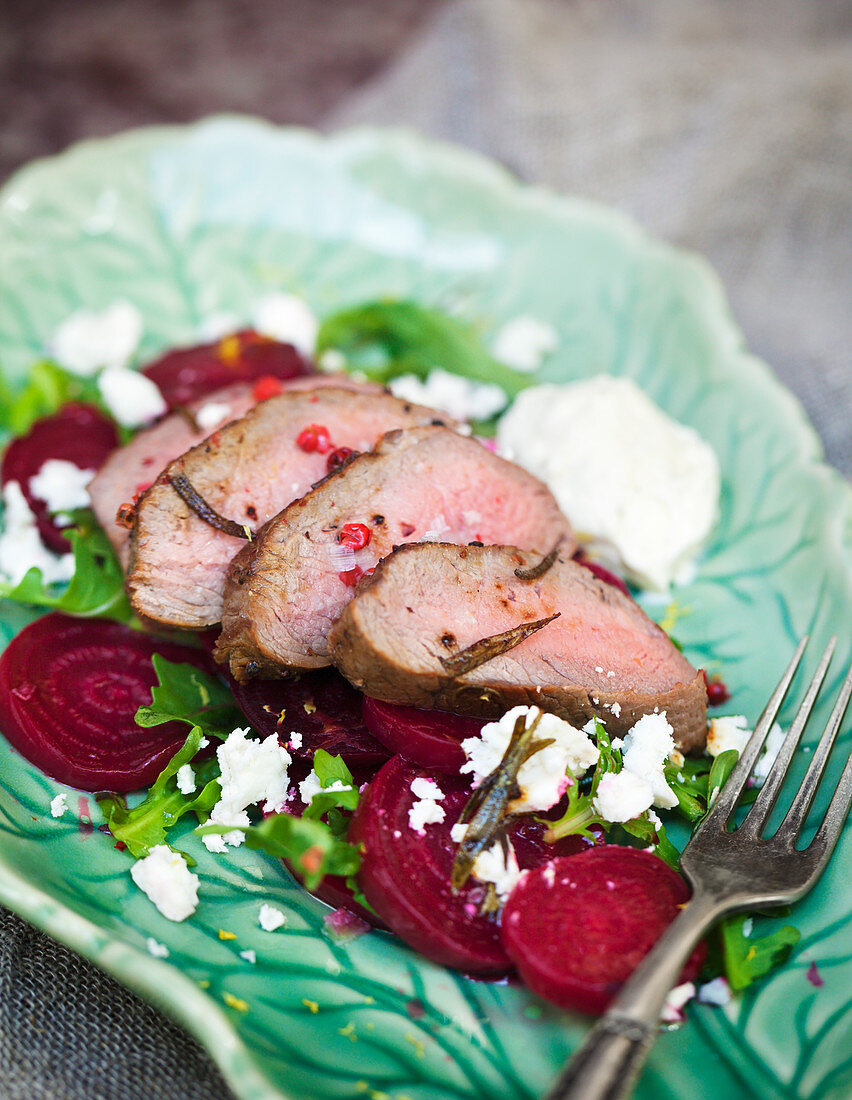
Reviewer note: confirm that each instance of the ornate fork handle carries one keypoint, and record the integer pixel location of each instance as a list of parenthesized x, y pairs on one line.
[(609, 1061)]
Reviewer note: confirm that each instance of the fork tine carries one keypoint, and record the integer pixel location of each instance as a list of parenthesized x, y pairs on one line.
[(795, 819), (724, 805), (761, 809)]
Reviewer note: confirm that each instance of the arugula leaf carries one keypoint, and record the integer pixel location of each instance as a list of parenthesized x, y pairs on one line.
[(388, 338), (746, 959), (145, 826), (330, 770), (723, 765), (95, 591), (581, 814), (309, 846), (47, 389), (190, 695)]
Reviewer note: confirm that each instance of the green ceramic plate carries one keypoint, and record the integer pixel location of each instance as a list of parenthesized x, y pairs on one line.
[(189, 221)]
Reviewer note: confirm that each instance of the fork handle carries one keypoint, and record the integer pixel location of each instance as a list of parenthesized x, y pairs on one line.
[(607, 1064)]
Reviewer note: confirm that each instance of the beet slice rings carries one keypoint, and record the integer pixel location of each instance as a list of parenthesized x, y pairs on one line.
[(69, 690)]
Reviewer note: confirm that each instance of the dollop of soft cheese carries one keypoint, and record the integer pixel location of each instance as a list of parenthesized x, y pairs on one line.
[(131, 397), (90, 340), (635, 484), (287, 318), (523, 342), (461, 398), (269, 918), (624, 795), (542, 778), (252, 772), (21, 548), (167, 880), (61, 485)]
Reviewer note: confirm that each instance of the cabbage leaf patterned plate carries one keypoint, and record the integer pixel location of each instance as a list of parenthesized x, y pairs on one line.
[(186, 222)]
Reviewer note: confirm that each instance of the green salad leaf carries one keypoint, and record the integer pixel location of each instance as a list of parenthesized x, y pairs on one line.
[(388, 338), (190, 695), (331, 771), (747, 959), (308, 845), (144, 826), (48, 387), (96, 589)]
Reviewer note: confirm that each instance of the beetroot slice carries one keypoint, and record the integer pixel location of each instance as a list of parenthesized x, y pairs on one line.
[(69, 689), (428, 738), (186, 374), (406, 877), (576, 928), (321, 706), (76, 433)]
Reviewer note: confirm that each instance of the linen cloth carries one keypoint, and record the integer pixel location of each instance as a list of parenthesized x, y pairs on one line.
[(722, 125)]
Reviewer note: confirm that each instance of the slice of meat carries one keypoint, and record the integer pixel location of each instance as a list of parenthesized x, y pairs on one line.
[(247, 472), (134, 467), (601, 657), (287, 588)]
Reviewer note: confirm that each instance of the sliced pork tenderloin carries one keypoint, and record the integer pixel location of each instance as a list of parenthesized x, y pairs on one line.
[(287, 588), (602, 657), (245, 472), (131, 469)]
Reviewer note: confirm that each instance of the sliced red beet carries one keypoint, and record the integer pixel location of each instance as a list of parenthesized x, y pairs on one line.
[(320, 706), (406, 877), (185, 374), (601, 572), (76, 433), (428, 738), (576, 928), (69, 689)]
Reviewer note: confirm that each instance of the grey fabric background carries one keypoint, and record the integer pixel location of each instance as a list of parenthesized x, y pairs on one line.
[(722, 125)]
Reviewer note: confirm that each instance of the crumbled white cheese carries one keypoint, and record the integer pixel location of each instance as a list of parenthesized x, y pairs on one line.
[(132, 398), (295, 740), (163, 875), (748, 926), (212, 414), (730, 731), (185, 779), (641, 783), (309, 786), (461, 398), (458, 832), (252, 772), (269, 918), (332, 361), (769, 755), (249, 955), (157, 949), (523, 342), (542, 778), (287, 318), (61, 485), (425, 811), (90, 340), (59, 805), (21, 548), (622, 796), (715, 992), (650, 498), (499, 867), (647, 747), (673, 1008)]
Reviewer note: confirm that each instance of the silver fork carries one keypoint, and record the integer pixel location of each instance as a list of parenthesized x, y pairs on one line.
[(729, 872)]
